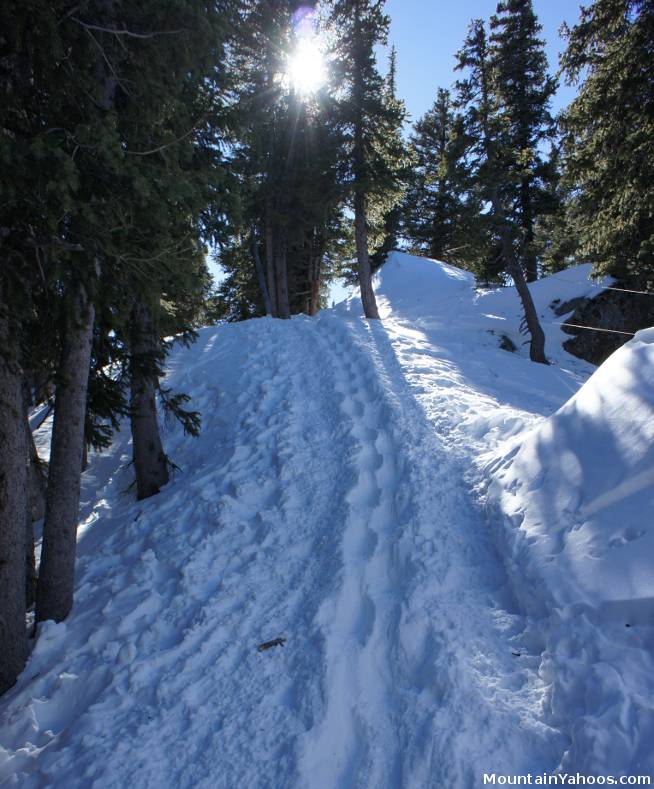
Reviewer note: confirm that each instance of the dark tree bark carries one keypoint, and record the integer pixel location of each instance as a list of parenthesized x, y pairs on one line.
[(283, 306), (36, 490), (54, 597), (261, 276), (363, 258), (314, 285), (37, 479), (271, 280), (360, 224), (14, 511), (368, 299), (530, 262), (150, 461), (515, 270), (316, 256)]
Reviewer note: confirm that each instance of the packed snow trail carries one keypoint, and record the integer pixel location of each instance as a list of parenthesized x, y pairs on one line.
[(417, 636), (319, 505)]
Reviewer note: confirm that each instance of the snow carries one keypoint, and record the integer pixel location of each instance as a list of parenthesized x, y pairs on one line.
[(582, 480), (575, 497), (389, 497)]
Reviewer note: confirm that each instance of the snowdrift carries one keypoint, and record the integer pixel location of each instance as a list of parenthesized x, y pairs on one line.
[(418, 288), (572, 500), (575, 492)]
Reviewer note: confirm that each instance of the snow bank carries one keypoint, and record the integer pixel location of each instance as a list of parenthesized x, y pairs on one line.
[(575, 498), (413, 286), (576, 489)]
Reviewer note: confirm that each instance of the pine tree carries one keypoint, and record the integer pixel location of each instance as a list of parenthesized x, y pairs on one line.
[(480, 102), (441, 209), (393, 215), (290, 197), (136, 214), (108, 132), (13, 493), (38, 184), (608, 145), (557, 235), (264, 157), (524, 90), (374, 155)]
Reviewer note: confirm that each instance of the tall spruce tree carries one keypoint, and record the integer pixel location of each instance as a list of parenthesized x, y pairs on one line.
[(13, 493), (557, 235), (374, 154), (286, 158), (480, 102), (608, 144), (393, 215), (264, 159), (524, 91), (38, 186), (441, 209), (108, 141)]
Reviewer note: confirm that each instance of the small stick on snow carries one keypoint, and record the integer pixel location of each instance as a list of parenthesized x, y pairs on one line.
[(276, 642)]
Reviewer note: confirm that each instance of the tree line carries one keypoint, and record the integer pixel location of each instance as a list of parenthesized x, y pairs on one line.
[(134, 138), (501, 186)]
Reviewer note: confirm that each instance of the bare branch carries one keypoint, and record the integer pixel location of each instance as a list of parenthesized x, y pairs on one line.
[(167, 144), (124, 32)]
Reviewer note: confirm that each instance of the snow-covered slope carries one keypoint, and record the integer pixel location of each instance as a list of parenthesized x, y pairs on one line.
[(575, 499), (334, 499), (578, 489)]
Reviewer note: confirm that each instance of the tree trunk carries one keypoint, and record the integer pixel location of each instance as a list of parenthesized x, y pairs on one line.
[(283, 306), (150, 461), (530, 262), (14, 511), (41, 387), (363, 258), (36, 488), (316, 255), (368, 299), (271, 280), (37, 479), (54, 597), (537, 344), (314, 286), (258, 265)]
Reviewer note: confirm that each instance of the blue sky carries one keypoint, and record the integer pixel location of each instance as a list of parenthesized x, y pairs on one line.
[(427, 33)]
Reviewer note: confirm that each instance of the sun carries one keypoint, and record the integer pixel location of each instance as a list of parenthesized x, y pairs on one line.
[(307, 71)]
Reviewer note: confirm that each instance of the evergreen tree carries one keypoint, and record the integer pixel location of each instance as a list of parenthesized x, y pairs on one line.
[(287, 147), (263, 124), (483, 124), (394, 214), (109, 136), (37, 186), (557, 236), (524, 90), (374, 154), (441, 209), (608, 146), (13, 492)]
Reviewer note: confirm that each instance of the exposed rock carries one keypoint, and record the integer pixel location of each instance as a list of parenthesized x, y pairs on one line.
[(623, 312)]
